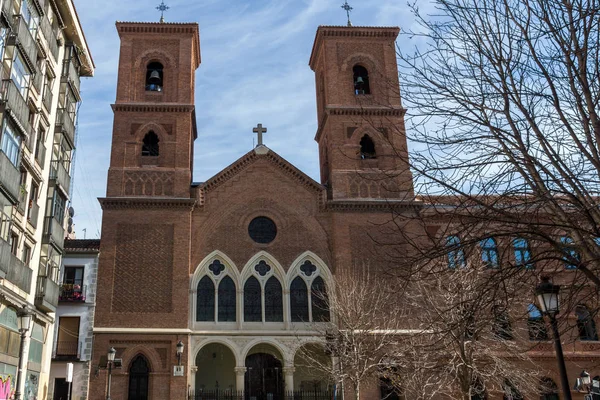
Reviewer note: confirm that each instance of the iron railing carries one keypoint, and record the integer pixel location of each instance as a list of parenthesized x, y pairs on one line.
[(65, 124), (46, 295), (224, 394), (60, 175), (67, 348), (9, 177), (70, 292), (16, 103)]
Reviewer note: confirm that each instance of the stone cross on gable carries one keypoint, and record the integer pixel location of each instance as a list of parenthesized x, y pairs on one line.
[(260, 130)]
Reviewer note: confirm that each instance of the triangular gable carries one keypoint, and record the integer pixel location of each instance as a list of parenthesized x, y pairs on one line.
[(262, 153)]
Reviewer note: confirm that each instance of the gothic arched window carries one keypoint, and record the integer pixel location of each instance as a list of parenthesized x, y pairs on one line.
[(273, 301), (154, 77), (548, 389), (226, 300), (205, 300), (522, 253), (489, 253), (456, 255), (319, 300), (361, 80), (510, 391), (299, 300), (252, 301), (150, 145), (367, 148), (585, 323)]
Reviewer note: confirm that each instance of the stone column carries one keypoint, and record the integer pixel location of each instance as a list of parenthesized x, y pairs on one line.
[(193, 371), (288, 372), (240, 375)]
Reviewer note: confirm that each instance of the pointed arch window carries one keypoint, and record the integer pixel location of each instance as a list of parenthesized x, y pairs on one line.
[(150, 145), (522, 253), (456, 254), (361, 80), (299, 300), (252, 301), (367, 148), (570, 254), (154, 77), (548, 389), (585, 323), (226, 300), (319, 301), (273, 300), (489, 253), (205, 300)]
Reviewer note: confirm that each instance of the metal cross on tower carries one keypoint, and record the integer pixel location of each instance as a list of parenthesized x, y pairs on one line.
[(260, 130), (347, 7), (162, 7)]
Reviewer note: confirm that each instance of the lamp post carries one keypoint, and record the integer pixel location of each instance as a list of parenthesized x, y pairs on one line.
[(548, 299), (179, 352), (24, 317), (585, 384), (111, 360)]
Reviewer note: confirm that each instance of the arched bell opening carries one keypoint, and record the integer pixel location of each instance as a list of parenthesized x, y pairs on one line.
[(311, 366), (264, 374), (216, 369), (361, 80), (154, 77)]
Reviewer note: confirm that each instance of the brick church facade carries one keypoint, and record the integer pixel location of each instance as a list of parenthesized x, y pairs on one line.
[(229, 267)]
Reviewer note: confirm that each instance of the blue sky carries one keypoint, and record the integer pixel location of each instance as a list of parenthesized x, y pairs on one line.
[(254, 70)]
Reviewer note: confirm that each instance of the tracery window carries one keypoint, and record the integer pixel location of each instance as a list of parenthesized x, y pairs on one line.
[(205, 300), (320, 301), (273, 300), (252, 300), (299, 300)]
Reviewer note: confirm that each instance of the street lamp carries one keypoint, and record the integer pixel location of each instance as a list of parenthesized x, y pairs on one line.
[(24, 317), (548, 299), (111, 359), (179, 351), (585, 384)]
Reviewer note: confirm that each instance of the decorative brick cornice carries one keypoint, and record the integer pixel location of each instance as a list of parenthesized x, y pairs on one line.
[(153, 108), (387, 33), (157, 27), (367, 111), (371, 205), (119, 203), (253, 156)]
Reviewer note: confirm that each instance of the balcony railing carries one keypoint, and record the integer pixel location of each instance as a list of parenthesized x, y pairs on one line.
[(23, 199), (70, 73), (38, 79), (34, 212), (54, 232), (13, 269), (70, 292), (46, 295), (48, 34), (67, 348), (40, 154), (9, 177), (47, 98), (60, 175), (65, 124), (16, 104), (24, 39)]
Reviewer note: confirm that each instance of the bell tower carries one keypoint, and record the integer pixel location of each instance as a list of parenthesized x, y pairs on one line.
[(361, 134), (154, 118)]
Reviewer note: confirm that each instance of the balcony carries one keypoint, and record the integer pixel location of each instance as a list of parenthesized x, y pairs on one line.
[(16, 104), (38, 80), (46, 295), (60, 175), (34, 212), (54, 232), (72, 293), (24, 40), (8, 11), (65, 124), (70, 74), (47, 98), (23, 199), (9, 178), (46, 31), (13, 269), (68, 349), (40, 154)]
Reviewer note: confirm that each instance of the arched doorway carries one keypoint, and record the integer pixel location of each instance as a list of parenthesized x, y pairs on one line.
[(264, 374), (138, 379), (216, 369)]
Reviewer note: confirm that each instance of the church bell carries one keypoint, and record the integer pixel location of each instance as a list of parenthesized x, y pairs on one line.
[(154, 78), (360, 81)]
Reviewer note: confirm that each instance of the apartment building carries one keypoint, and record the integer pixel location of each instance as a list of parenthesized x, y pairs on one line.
[(43, 54)]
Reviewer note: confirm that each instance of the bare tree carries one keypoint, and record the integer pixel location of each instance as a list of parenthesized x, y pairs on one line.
[(503, 99)]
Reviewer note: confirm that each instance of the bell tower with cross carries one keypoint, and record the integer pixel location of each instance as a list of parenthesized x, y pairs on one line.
[(361, 136)]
